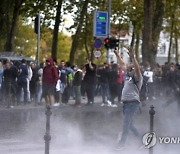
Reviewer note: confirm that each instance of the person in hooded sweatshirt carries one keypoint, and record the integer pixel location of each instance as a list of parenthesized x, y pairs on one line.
[(49, 80)]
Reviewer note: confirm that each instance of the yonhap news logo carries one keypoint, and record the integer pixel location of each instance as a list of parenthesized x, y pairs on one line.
[(150, 139)]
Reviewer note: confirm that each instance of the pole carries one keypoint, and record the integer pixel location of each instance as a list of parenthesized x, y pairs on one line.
[(38, 40), (109, 15), (152, 113), (47, 136)]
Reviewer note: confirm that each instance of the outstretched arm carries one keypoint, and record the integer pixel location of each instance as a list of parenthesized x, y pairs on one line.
[(120, 60), (135, 63)]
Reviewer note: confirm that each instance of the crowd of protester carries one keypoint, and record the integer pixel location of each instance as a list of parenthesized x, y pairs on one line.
[(24, 82)]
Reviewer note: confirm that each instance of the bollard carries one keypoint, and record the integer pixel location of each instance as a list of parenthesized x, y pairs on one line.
[(152, 113), (47, 136)]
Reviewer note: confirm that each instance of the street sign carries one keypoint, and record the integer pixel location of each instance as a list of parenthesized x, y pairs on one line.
[(97, 43), (100, 24), (97, 53)]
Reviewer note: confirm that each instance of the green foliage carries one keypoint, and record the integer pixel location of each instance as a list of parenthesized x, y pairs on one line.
[(124, 12), (25, 39)]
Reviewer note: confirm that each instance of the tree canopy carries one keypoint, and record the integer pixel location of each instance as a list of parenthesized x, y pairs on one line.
[(143, 19)]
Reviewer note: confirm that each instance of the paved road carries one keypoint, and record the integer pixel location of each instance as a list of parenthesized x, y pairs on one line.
[(86, 130)]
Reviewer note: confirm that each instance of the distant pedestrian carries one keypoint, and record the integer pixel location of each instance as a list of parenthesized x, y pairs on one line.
[(1, 76), (50, 77), (89, 81), (9, 84), (39, 83), (77, 85), (113, 84), (22, 81)]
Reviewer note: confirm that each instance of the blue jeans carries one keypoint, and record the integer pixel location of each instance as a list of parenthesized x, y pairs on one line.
[(129, 110), (105, 92), (39, 93)]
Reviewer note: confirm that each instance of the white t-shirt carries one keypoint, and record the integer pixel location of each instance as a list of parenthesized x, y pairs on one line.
[(149, 74)]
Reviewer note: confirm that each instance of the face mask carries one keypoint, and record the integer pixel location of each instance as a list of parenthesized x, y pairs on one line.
[(130, 73), (47, 63), (75, 69)]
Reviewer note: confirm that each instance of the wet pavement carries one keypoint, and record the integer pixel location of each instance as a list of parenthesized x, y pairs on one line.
[(85, 130)]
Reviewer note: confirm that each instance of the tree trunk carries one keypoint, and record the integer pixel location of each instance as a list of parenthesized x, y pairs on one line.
[(137, 46), (85, 39), (156, 27), (177, 48), (147, 32), (171, 39), (133, 38), (56, 30), (12, 28), (78, 30), (2, 17)]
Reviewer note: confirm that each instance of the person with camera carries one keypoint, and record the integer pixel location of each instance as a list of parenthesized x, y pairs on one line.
[(130, 95)]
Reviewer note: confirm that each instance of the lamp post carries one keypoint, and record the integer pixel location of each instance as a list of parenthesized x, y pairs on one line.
[(47, 136), (152, 113)]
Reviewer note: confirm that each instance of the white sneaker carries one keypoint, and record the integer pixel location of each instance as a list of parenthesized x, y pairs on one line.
[(114, 105), (56, 104), (102, 104), (109, 103)]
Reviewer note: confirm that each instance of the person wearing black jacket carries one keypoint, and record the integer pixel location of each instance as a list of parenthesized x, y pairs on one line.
[(177, 93), (112, 78), (103, 79), (9, 84), (174, 81), (89, 81), (77, 85)]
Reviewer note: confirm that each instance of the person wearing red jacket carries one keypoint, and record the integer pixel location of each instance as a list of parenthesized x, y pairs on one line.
[(49, 80), (120, 82)]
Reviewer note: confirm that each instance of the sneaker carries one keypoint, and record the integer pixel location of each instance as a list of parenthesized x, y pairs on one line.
[(114, 105), (56, 104), (102, 104), (109, 103)]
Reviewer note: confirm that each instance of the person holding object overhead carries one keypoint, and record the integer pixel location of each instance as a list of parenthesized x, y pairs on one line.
[(89, 81), (130, 95)]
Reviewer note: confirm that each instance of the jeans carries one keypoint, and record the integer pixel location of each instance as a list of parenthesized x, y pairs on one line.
[(89, 88), (39, 92), (119, 90), (22, 85), (105, 92), (129, 110)]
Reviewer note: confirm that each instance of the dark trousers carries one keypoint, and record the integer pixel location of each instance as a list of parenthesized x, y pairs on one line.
[(89, 89), (119, 90), (66, 94), (105, 92), (20, 86), (113, 91)]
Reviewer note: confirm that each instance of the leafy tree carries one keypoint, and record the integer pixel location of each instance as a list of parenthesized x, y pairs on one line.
[(78, 30), (12, 14), (25, 39), (172, 25)]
